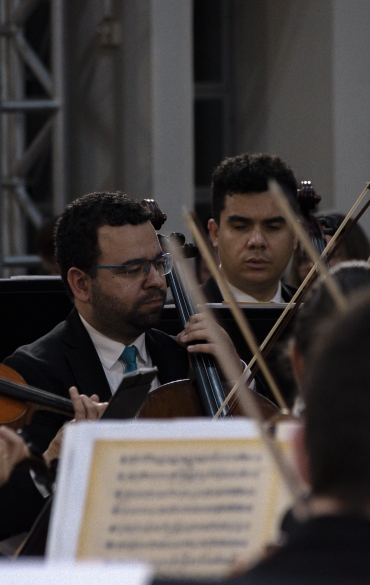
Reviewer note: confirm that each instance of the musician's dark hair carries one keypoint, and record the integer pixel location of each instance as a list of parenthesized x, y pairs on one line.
[(350, 276), (337, 414), (76, 232), (250, 173), (356, 245)]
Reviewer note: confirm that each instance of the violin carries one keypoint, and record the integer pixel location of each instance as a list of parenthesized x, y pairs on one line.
[(19, 402)]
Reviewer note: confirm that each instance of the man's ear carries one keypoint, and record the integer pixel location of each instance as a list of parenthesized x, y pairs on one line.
[(300, 454), (79, 282), (213, 231)]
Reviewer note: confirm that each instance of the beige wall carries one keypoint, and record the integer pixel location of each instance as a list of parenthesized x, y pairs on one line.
[(302, 86), (130, 104), (284, 85)]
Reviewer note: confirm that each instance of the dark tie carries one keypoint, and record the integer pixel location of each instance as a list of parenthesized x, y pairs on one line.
[(129, 357)]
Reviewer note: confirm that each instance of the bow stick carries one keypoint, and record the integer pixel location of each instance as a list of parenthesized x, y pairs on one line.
[(234, 307), (236, 311), (247, 401), (329, 251), (295, 301), (329, 282)]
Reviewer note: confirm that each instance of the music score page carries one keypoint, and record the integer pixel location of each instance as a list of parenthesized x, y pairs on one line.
[(188, 496)]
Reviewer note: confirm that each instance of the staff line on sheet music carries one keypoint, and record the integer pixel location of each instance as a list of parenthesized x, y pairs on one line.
[(177, 493), (184, 460), (178, 528)]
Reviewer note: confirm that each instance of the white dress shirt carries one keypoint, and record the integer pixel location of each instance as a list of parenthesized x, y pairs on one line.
[(242, 297), (109, 352)]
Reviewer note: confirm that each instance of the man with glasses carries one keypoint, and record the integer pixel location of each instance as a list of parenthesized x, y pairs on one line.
[(114, 270), (112, 265)]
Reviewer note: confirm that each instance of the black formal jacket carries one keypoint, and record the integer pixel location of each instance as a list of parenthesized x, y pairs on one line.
[(67, 357), (213, 293), (63, 358)]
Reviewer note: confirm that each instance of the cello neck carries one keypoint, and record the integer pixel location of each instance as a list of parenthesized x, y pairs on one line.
[(210, 388)]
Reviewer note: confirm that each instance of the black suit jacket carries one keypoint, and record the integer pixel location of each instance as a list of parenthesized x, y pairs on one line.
[(63, 358), (67, 357), (213, 293)]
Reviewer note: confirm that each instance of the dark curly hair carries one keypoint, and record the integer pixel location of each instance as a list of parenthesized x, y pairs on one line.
[(250, 173), (76, 231), (351, 276)]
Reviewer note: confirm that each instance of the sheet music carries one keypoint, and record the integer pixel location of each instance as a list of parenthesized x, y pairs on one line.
[(189, 504), (34, 572)]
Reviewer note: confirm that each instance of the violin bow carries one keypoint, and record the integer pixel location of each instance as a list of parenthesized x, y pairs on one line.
[(292, 220), (293, 305), (246, 399), (296, 300), (235, 309)]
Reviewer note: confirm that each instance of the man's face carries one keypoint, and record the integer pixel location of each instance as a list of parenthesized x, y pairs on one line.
[(254, 243), (121, 307)]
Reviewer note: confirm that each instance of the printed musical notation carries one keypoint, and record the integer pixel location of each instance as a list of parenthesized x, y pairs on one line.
[(191, 507)]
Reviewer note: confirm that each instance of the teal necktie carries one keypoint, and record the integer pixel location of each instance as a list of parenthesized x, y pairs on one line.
[(129, 357)]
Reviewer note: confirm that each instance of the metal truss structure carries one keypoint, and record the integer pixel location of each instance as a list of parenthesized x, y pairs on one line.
[(32, 140)]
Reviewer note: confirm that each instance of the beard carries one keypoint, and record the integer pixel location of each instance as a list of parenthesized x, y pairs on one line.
[(116, 318)]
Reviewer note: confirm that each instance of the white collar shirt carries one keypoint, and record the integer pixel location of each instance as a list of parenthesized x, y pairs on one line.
[(109, 352), (242, 297)]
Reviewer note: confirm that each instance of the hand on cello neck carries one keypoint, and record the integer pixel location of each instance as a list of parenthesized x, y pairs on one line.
[(203, 335)]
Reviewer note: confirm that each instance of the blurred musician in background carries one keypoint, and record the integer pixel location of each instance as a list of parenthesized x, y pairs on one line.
[(351, 277), (253, 239), (333, 456), (356, 246)]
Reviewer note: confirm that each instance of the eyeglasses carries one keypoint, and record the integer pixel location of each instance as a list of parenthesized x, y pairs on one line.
[(138, 269)]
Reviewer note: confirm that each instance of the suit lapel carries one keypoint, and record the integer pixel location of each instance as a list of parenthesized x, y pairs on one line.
[(287, 292), (83, 359), (211, 291), (167, 355)]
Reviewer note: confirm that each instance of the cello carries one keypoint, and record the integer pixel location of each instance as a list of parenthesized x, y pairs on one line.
[(171, 400), (179, 399)]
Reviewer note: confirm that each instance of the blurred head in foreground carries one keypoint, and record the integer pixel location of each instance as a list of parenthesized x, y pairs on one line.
[(336, 438)]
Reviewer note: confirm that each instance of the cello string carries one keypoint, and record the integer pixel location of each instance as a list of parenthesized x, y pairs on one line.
[(329, 282), (185, 277), (199, 300)]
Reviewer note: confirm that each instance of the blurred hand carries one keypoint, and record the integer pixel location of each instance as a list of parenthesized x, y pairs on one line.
[(13, 449), (85, 409)]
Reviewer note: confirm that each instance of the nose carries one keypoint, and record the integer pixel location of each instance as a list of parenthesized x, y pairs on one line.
[(256, 238), (154, 279)]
